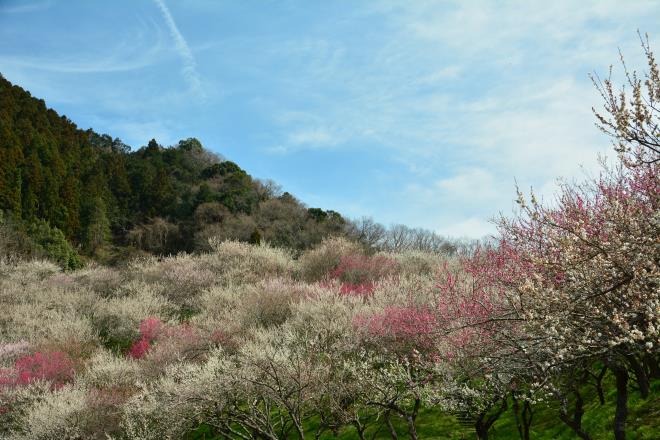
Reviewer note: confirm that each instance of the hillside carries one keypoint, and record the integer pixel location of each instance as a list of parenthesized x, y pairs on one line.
[(109, 200)]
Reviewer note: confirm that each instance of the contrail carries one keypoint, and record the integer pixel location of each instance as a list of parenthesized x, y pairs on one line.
[(189, 65)]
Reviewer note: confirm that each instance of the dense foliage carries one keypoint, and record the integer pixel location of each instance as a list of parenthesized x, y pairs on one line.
[(106, 199)]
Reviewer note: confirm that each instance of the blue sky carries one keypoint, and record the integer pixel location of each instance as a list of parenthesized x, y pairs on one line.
[(417, 112)]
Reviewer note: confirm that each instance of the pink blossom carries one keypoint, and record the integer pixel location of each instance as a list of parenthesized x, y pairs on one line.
[(361, 269), (224, 339), (153, 332), (53, 367), (139, 348), (362, 289), (150, 328), (408, 328)]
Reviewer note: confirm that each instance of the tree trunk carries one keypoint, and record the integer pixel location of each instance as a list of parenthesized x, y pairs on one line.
[(359, 428), (641, 377), (516, 413), (390, 427), (523, 418), (621, 414), (484, 421), (481, 428), (575, 423), (652, 364), (412, 430), (527, 415), (599, 384)]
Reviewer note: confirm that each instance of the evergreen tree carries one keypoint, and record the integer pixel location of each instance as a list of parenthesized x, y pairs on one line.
[(97, 231)]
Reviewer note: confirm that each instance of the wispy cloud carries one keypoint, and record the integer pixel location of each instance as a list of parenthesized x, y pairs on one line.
[(306, 139), (140, 132), (111, 64), (24, 7), (181, 45), (473, 95), (136, 49), (473, 227)]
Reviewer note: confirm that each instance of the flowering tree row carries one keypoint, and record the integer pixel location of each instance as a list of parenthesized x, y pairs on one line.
[(574, 284)]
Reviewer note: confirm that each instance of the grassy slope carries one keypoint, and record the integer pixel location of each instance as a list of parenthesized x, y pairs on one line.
[(643, 419), (643, 422)]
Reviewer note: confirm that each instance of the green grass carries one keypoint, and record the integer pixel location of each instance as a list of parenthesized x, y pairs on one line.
[(643, 422), (643, 418)]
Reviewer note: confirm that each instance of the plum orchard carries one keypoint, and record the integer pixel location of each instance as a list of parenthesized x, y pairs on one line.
[(246, 342)]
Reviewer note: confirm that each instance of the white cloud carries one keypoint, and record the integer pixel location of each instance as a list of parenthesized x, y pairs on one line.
[(277, 149), (134, 50), (139, 133), (476, 184), (306, 139), (181, 45), (24, 7), (471, 227), (115, 62), (313, 137), (442, 74), (475, 28), (477, 93)]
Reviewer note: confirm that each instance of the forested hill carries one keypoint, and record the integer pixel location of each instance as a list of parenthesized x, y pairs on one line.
[(108, 200)]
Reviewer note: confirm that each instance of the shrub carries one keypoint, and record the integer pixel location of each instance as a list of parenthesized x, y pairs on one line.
[(117, 319), (62, 414), (416, 263), (54, 367), (177, 343), (180, 278), (402, 328), (359, 269), (54, 245), (316, 264), (163, 344), (106, 370), (225, 340), (104, 281), (362, 289), (235, 263), (28, 273), (11, 350), (59, 330), (265, 304), (150, 329), (139, 348), (414, 291), (359, 273), (269, 304), (15, 243)]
